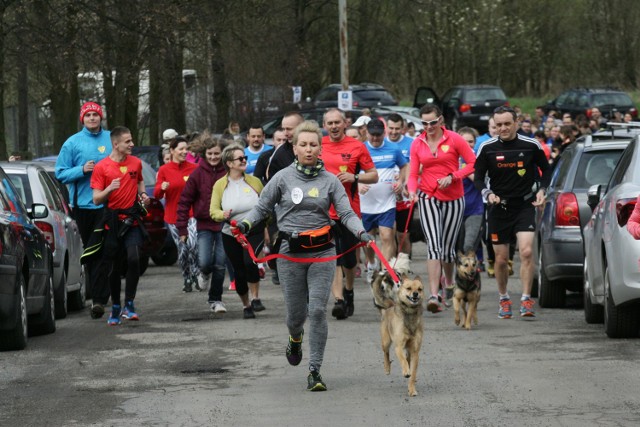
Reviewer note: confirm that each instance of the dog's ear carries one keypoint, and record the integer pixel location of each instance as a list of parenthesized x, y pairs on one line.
[(471, 253), (417, 278)]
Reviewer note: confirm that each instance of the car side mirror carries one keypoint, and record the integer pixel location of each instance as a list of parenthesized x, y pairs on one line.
[(593, 195), (39, 211)]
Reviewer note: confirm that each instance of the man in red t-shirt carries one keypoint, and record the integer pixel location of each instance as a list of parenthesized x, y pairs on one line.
[(117, 182), (346, 158)]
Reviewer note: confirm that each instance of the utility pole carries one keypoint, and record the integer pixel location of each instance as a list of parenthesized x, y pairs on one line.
[(344, 45)]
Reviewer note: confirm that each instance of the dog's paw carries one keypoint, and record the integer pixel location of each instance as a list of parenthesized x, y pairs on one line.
[(406, 374), (413, 393), (457, 321)]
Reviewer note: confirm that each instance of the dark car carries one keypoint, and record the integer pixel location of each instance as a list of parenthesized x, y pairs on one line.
[(152, 154), (365, 95), (316, 114), (560, 253), (464, 105), (34, 185), (581, 100), (27, 302)]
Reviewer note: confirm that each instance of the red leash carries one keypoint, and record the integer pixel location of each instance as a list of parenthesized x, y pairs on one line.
[(241, 238)]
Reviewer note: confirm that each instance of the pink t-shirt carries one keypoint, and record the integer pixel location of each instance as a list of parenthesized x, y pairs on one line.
[(445, 161)]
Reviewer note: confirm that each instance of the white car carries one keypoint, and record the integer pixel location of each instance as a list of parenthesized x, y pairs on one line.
[(612, 255)]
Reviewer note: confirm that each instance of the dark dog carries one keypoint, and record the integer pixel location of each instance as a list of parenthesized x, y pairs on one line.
[(466, 294)]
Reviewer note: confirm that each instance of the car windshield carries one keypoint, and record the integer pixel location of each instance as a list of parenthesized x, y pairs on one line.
[(616, 99), (21, 183), (148, 175), (596, 168), (485, 94)]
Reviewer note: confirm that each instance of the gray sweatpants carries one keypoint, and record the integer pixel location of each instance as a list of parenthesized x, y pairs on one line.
[(307, 281)]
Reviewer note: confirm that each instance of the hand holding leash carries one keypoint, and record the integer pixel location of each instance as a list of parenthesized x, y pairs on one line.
[(366, 238)]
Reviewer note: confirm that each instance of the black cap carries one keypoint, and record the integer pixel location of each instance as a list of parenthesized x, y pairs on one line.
[(375, 127)]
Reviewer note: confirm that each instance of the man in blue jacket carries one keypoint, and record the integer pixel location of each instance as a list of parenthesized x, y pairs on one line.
[(74, 166)]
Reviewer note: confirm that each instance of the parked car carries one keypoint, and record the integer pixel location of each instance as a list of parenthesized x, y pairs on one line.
[(151, 154), (365, 95), (27, 304), (383, 113), (464, 105), (316, 114), (588, 161), (581, 100), (611, 273), (34, 185)]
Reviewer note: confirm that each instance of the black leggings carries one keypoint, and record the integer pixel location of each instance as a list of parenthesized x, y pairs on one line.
[(244, 268)]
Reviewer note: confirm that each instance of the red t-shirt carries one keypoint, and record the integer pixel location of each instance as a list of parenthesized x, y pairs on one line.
[(346, 155), (130, 173), (177, 175)]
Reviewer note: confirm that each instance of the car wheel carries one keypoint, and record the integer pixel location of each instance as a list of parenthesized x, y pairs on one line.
[(61, 297), (46, 323), (168, 255), (619, 322), (16, 339), (593, 313), (78, 299), (551, 293)]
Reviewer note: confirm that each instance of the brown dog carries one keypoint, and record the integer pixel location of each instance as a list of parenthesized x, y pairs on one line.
[(466, 294), (402, 323)]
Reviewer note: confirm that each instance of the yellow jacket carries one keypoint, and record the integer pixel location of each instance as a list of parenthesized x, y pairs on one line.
[(218, 189)]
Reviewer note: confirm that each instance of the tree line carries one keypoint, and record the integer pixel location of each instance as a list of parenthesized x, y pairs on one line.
[(243, 49)]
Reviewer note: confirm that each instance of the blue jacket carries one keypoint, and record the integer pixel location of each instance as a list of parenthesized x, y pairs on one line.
[(76, 151)]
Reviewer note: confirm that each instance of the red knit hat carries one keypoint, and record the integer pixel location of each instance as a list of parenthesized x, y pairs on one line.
[(90, 106)]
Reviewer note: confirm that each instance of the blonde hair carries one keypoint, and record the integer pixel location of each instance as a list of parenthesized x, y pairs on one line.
[(309, 126), (227, 154)]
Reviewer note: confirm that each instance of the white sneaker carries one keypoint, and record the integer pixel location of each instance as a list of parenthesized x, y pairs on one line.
[(218, 307), (203, 282)]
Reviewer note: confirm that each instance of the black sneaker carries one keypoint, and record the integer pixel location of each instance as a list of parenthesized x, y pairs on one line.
[(339, 310), (294, 351), (315, 382), (275, 279), (187, 286), (348, 300), (256, 305), (97, 311), (248, 313)]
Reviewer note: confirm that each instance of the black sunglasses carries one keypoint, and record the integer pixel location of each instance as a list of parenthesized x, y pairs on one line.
[(241, 158), (426, 123)]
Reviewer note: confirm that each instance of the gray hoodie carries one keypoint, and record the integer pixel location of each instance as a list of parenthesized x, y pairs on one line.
[(302, 202)]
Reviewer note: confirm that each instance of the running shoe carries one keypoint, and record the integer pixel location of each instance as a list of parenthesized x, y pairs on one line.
[(348, 302), (129, 311), (232, 285), (490, 270), (97, 311), (526, 308), (202, 282), (358, 272), (315, 382), (187, 286), (218, 307), (248, 313), (433, 305), (114, 318), (339, 310), (505, 309), (261, 272), (256, 304), (275, 279), (294, 350)]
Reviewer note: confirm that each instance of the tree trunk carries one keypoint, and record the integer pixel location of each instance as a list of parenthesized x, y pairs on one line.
[(221, 97), (64, 107)]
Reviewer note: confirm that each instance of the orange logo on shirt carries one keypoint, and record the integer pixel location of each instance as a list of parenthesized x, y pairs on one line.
[(123, 169), (520, 164), (494, 237)]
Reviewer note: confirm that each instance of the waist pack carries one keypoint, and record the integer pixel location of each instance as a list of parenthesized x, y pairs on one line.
[(310, 241)]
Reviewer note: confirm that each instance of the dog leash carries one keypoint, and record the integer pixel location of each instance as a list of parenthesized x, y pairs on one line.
[(242, 239)]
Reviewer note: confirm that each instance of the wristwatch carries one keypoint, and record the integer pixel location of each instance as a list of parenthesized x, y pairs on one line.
[(356, 177)]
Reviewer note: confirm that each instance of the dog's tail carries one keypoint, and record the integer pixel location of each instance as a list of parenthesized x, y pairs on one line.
[(382, 289)]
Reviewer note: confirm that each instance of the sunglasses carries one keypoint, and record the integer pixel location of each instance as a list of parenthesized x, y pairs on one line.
[(241, 158), (426, 123)]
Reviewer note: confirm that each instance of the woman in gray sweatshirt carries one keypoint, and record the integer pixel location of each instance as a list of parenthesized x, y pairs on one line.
[(302, 194)]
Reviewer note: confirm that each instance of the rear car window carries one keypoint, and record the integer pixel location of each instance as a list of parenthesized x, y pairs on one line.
[(488, 94), (21, 184), (374, 95), (611, 99), (595, 168)]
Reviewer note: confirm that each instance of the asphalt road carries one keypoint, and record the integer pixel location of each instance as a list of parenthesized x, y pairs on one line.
[(181, 366)]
